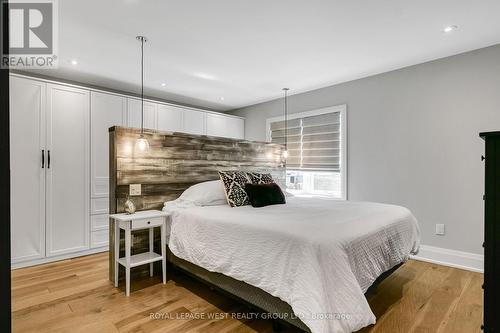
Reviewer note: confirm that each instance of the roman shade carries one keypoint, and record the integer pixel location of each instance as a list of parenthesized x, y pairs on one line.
[(314, 141)]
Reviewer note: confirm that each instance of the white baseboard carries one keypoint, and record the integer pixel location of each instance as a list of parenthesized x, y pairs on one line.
[(452, 258), (57, 258)]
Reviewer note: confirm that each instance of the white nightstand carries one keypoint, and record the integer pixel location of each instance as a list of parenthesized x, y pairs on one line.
[(147, 219)]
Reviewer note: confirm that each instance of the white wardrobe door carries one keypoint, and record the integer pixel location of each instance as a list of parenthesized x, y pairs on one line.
[(235, 128), (134, 114), (216, 125), (169, 118), (27, 120), (68, 185), (224, 126), (194, 122), (106, 111)]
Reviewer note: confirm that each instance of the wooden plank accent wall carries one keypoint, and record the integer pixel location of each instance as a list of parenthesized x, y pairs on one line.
[(174, 162)]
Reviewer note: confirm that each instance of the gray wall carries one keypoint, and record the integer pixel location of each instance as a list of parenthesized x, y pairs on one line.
[(413, 139)]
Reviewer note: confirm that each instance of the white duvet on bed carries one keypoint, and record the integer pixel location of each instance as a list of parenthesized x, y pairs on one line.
[(320, 256)]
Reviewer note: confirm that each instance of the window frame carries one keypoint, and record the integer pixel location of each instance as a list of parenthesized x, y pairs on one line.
[(342, 109)]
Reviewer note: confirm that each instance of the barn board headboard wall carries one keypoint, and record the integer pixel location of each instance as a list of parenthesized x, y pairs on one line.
[(174, 162)]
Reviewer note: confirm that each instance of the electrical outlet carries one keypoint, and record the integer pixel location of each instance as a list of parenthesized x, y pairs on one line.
[(440, 229), (135, 189)]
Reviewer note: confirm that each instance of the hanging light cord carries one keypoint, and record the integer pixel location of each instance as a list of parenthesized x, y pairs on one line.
[(142, 85), (286, 117)]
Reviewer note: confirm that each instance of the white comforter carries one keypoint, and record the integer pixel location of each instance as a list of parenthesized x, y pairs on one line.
[(319, 256)]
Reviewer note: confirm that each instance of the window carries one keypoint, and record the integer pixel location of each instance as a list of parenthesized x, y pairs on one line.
[(316, 163)]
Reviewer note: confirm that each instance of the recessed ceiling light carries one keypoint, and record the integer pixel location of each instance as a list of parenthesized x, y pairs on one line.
[(450, 28), (74, 62), (205, 76), (222, 98), (163, 84)]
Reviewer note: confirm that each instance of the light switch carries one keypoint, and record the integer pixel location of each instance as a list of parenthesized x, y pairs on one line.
[(135, 189), (440, 229)]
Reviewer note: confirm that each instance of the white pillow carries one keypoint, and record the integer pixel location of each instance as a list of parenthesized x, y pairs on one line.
[(209, 193)]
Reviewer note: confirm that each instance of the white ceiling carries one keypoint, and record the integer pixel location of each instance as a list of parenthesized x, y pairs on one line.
[(246, 51)]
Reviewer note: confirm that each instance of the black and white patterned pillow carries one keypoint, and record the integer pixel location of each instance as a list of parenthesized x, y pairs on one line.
[(260, 178), (234, 184)]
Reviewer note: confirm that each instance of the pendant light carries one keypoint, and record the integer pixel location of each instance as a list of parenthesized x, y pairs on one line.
[(285, 117), (142, 143)]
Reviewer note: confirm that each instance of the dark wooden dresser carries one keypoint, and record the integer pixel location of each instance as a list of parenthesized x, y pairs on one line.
[(492, 233)]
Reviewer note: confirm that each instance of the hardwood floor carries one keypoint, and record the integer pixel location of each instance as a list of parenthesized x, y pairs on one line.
[(76, 296)]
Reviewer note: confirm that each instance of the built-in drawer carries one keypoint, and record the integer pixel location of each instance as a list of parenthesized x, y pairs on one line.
[(99, 222), (147, 223), (99, 206), (99, 238), (100, 186)]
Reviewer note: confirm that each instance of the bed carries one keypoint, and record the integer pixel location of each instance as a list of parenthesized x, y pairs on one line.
[(310, 260), (302, 260)]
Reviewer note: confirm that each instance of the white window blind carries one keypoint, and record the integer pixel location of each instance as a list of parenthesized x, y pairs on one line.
[(314, 141)]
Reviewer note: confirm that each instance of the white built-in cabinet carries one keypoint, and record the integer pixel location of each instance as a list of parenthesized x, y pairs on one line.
[(67, 170), (170, 118), (27, 173), (194, 122), (60, 210), (134, 114), (50, 174), (221, 125), (106, 110)]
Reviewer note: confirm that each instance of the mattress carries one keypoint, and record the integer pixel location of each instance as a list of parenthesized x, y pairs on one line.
[(319, 256)]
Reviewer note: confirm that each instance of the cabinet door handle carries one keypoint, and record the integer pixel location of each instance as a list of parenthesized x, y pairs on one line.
[(43, 158), (48, 159)]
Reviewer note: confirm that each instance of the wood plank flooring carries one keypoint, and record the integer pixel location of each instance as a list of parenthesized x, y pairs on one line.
[(76, 296)]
